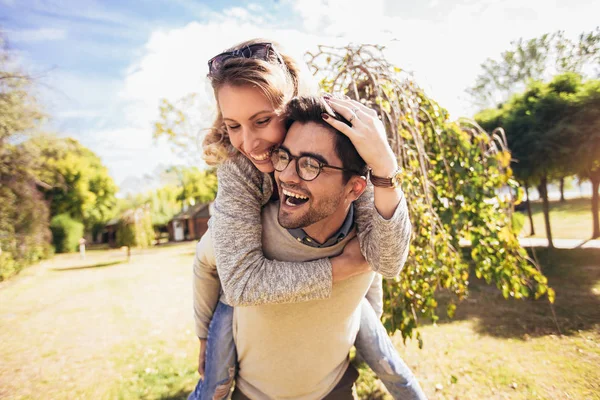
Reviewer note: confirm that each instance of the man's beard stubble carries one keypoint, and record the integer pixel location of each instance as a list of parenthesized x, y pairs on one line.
[(313, 215)]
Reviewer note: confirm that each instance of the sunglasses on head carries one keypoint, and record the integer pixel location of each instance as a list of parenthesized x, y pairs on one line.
[(260, 51)]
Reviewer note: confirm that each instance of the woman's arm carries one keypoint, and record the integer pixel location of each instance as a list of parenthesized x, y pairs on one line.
[(246, 275), (384, 227), (383, 242)]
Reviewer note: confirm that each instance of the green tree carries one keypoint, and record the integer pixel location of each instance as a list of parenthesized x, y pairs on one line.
[(195, 185), (135, 229), (543, 128), (24, 233), (80, 184), (581, 127)]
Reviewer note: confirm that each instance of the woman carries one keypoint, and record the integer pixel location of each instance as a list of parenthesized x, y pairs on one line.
[(252, 83)]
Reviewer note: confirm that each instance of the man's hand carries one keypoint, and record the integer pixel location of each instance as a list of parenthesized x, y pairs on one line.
[(350, 263), (202, 357)]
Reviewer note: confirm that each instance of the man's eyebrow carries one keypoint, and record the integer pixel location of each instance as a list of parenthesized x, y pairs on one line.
[(309, 154), (252, 117)]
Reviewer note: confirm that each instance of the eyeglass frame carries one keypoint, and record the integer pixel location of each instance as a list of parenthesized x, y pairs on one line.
[(297, 159), (239, 54)]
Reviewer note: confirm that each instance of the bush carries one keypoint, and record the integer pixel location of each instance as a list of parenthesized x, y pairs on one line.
[(8, 266), (66, 233)]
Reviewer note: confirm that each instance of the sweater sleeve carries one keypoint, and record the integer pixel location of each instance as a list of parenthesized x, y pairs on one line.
[(206, 286), (246, 275), (383, 243), (375, 295)]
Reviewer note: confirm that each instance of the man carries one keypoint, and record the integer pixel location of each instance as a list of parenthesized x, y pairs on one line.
[(300, 350)]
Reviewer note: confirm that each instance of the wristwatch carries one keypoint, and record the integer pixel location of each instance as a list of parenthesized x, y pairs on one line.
[(392, 182)]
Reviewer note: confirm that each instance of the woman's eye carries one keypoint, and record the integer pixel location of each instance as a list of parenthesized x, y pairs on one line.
[(232, 127), (263, 121)]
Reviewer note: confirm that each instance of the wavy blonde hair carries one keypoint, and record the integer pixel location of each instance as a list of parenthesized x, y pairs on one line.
[(278, 82)]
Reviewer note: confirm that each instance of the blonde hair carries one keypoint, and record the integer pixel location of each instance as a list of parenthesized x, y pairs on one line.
[(278, 82)]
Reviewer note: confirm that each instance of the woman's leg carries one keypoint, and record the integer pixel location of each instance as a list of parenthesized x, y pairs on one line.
[(221, 358), (376, 348)]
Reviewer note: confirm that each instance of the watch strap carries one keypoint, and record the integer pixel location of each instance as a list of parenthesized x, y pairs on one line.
[(386, 182)]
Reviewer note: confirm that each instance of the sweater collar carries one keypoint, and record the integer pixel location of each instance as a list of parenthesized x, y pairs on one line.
[(334, 239)]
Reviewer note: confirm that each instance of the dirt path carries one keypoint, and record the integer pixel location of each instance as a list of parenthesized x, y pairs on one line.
[(62, 319)]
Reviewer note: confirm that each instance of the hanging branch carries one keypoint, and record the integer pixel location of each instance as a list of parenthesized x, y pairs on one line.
[(453, 172)]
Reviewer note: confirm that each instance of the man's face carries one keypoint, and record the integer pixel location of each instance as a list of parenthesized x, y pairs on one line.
[(323, 198)]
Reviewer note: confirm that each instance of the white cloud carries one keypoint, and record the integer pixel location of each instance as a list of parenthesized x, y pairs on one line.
[(443, 44), (36, 35)]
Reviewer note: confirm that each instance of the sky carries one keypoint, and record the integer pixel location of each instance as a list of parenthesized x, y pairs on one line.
[(102, 67)]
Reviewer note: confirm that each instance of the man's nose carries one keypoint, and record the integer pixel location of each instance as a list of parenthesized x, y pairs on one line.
[(289, 174)]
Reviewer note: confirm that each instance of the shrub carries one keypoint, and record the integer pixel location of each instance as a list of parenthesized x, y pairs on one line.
[(8, 266), (66, 233)]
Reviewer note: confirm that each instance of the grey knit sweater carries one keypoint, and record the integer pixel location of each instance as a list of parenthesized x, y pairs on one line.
[(248, 278)]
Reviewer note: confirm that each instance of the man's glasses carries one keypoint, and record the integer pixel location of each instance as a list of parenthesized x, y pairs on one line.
[(307, 167), (261, 51)]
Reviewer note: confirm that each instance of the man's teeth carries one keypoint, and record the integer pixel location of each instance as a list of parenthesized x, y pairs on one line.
[(261, 157), (298, 196)]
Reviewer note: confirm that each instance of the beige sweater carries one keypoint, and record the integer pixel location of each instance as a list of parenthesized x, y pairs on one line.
[(288, 351)]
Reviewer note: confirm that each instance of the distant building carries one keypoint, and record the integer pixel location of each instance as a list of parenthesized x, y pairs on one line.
[(109, 233), (190, 224)]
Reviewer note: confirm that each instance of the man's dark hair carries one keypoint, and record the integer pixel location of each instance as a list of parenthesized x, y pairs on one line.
[(305, 109)]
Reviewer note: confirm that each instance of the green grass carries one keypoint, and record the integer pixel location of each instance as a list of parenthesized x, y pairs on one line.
[(125, 332), (571, 219)]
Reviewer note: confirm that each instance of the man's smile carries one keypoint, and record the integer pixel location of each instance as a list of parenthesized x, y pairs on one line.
[(292, 198)]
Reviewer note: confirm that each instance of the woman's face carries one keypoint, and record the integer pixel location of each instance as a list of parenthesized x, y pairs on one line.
[(252, 123)]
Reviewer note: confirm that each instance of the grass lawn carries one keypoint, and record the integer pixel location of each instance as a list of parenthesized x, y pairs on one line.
[(569, 220), (102, 329)]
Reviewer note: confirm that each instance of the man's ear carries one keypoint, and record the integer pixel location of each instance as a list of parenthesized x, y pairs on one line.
[(356, 186)]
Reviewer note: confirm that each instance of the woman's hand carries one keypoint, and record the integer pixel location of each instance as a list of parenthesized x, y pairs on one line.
[(367, 134), (350, 263)]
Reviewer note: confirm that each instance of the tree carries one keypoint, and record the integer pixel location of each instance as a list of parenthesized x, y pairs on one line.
[(535, 59), (452, 175), (135, 229), (551, 132), (582, 126), (195, 185), (80, 184), (182, 187), (180, 124), (24, 233)]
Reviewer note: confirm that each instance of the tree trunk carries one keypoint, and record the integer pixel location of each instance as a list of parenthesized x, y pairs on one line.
[(532, 232), (543, 189), (128, 253), (595, 183), (562, 190)]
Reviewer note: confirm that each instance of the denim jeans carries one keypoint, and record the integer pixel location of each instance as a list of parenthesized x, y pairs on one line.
[(220, 365), (372, 343)]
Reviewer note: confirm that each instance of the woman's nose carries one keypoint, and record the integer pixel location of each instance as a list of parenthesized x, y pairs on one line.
[(250, 140)]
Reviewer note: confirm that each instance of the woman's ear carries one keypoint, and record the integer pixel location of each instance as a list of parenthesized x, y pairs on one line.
[(356, 186)]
